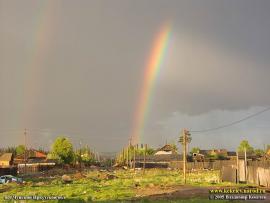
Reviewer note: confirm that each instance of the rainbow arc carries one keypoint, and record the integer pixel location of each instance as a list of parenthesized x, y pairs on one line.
[(150, 75)]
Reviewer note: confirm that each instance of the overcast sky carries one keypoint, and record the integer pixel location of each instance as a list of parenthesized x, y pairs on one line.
[(75, 68)]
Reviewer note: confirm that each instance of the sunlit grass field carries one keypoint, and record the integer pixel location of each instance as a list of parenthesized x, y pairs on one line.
[(123, 186)]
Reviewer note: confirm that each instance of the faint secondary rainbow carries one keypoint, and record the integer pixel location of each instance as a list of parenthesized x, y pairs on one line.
[(150, 75), (38, 47)]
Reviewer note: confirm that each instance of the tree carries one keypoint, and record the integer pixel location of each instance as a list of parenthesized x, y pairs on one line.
[(20, 149), (140, 151), (259, 152), (150, 151), (268, 147), (62, 149), (195, 150), (219, 157), (245, 145), (174, 147), (85, 155)]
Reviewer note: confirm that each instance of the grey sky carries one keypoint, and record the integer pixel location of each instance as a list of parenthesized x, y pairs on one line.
[(75, 68)]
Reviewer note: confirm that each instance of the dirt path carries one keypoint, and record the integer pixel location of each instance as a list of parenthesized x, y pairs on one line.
[(182, 192)]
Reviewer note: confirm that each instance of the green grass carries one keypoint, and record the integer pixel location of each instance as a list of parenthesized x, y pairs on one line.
[(121, 189)]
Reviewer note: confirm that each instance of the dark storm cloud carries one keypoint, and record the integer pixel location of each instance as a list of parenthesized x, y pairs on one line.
[(90, 72)]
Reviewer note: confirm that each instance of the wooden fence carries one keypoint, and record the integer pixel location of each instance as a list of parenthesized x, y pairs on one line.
[(8, 171), (216, 165), (175, 161), (34, 168), (256, 172)]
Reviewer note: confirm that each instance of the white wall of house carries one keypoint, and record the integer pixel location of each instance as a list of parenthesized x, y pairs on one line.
[(163, 152)]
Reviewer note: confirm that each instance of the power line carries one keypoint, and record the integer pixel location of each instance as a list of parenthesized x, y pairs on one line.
[(11, 130), (232, 123)]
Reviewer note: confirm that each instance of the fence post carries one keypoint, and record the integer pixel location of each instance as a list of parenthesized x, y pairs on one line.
[(144, 157), (134, 157), (237, 168), (245, 165)]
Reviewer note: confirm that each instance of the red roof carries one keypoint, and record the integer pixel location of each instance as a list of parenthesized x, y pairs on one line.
[(40, 154)]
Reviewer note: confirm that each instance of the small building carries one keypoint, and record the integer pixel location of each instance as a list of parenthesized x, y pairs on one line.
[(30, 155), (6, 160), (36, 156), (166, 149)]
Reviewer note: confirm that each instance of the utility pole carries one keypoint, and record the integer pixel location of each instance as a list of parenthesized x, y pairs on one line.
[(25, 151), (184, 139), (184, 155)]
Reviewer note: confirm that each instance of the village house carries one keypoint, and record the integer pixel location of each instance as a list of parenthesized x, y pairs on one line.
[(36, 156), (31, 155), (6, 160), (35, 161), (166, 149)]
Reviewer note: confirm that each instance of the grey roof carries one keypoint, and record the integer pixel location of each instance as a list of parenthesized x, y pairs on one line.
[(166, 148)]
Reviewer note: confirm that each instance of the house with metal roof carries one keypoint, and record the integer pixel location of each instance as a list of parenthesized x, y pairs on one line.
[(166, 149)]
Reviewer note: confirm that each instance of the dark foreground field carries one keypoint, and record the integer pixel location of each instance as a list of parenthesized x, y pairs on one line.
[(156, 185)]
